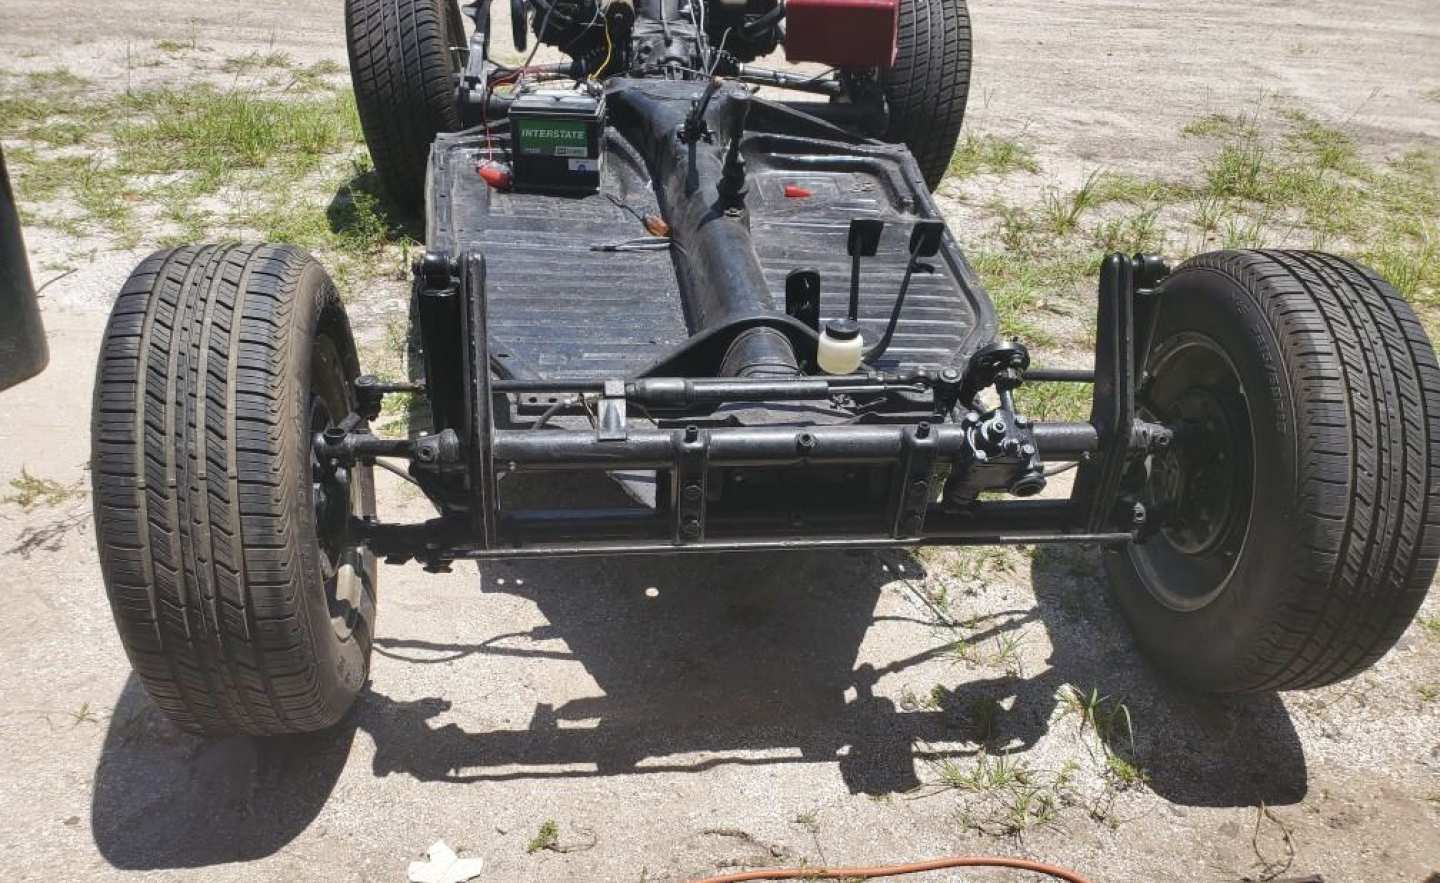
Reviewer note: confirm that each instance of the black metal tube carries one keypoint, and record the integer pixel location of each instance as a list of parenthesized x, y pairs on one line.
[(1058, 441), (1061, 375), (756, 446)]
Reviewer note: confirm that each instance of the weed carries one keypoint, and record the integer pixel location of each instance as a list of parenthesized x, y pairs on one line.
[(1431, 94), (1006, 796), (240, 64), (1219, 125), (1430, 624), (809, 820), (173, 47), (548, 837), (217, 133), (1428, 692), (84, 715), (1103, 714), (1123, 774), (1069, 402), (1135, 233), (1329, 147), (992, 154), (1116, 187), (1062, 213), (32, 493)]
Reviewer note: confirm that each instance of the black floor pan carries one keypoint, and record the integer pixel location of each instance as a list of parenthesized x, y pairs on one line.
[(560, 310)]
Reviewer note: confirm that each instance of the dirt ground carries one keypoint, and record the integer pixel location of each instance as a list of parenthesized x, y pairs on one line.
[(758, 710)]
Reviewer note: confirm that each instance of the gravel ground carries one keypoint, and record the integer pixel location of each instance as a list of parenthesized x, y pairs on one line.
[(758, 710)]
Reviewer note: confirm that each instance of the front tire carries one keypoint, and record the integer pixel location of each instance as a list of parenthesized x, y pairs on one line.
[(239, 603), (1301, 501), (929, 85), (405, 58)]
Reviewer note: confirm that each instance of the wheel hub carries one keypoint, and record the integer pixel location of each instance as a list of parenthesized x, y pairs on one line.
[(1200, 486)]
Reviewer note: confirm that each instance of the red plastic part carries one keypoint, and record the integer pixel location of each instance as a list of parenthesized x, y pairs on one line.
[(495, 174), (842, 33), (794, 191)]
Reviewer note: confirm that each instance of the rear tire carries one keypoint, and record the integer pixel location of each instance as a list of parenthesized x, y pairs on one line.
[(239, 608), (1303, 491), (405, 56), (929, 84)]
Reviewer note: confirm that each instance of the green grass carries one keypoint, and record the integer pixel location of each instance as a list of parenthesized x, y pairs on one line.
[(548, 837), (217, 133), (991, 154), (241, 64), (31, 492), (1061, 213), (161, 154), (1220, 125), (1105, 715), (1067, 402), (1273, 178), (1005, 796)]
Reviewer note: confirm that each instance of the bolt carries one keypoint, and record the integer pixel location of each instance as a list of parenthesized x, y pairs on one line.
[(1027, 449), (950, 375), (972, 417), (1021, 420), (1137, 513), (692, 433), (920, 489), (911, 524), (922, 431), (805, 442), (334, 435), (690, 528), (692, 492)]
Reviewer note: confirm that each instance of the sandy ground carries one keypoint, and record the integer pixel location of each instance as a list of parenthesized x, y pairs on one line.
[(757, 710)]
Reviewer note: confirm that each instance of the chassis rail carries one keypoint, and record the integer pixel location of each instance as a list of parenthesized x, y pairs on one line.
[(910, 477)]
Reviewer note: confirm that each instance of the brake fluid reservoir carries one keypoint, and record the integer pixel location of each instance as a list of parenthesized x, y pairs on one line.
[(841, 347)]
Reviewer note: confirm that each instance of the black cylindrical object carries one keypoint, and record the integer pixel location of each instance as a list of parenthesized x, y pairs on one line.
[(760, 352), (23, 349)]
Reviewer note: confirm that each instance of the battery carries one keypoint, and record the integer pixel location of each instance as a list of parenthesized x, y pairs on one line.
[(557, 140)]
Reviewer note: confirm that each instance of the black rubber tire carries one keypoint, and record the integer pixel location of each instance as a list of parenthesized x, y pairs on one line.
[(929, 84), (1342, 392), (403, 65), (204, 515)]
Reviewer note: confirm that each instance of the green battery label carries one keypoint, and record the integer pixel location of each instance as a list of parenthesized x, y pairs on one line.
[(554, 138)]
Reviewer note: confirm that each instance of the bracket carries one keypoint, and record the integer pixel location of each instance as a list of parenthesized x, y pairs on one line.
[(689, 485)]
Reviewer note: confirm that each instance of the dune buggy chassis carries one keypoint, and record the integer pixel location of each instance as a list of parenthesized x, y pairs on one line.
[(1259, 463)]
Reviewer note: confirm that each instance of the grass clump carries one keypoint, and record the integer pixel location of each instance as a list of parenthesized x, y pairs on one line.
[(1006, 796), (220, 132), (32, 492), (992, 154), (548, 837), (1065, 402)]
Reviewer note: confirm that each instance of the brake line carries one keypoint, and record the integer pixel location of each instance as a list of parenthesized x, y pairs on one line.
[(957, 861)]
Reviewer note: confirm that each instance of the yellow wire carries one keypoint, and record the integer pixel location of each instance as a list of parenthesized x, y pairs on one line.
[(609, 51)]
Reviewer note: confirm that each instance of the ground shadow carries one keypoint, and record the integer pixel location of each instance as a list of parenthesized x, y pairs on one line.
[(1199, 750), (361, 211), (739, 656), (164, 799), (731, 660)]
